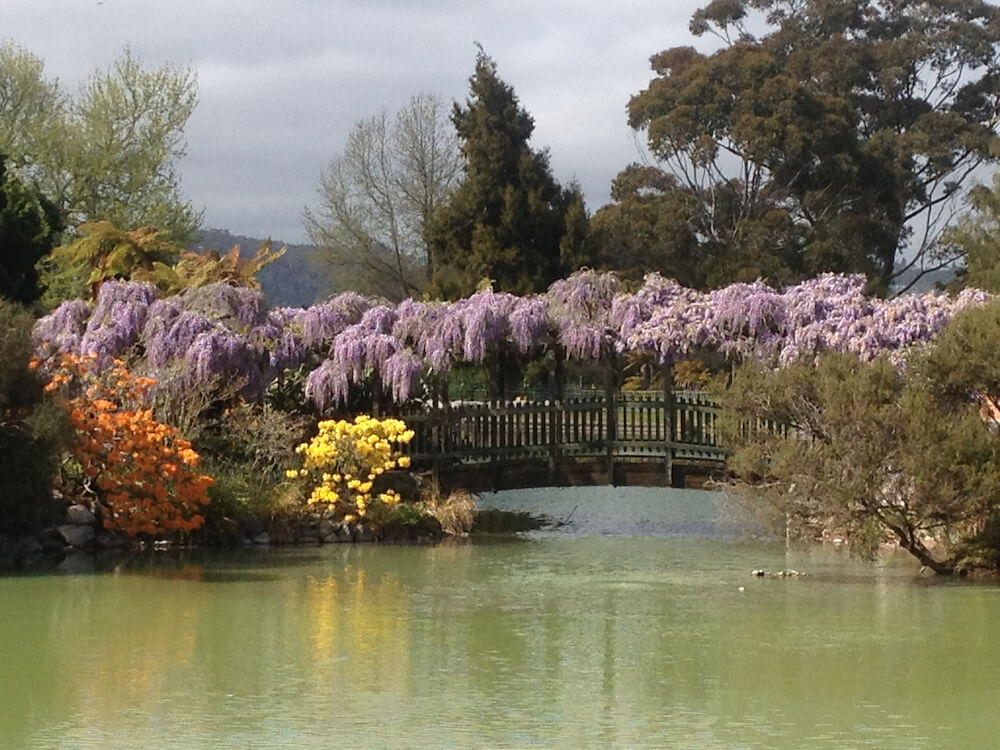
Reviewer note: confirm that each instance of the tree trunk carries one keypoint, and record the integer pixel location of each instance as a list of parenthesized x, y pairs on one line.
[(909, 542)]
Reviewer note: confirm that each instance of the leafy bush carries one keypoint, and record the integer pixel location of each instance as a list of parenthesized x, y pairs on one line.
[(870, 452), (31, 428), (343, 461), (145, 472)]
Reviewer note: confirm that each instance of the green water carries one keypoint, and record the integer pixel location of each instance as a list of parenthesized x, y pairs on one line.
[(620, 630)]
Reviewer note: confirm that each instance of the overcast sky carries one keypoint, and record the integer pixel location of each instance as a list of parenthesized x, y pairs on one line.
[(281, 82)]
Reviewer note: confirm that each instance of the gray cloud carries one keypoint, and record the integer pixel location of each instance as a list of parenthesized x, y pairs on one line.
[(281, 83)]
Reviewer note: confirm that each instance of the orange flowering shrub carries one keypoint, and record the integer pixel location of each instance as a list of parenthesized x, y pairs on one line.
[(145, 472)]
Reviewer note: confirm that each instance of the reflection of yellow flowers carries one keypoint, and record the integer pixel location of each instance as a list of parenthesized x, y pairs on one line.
[(344, 450)]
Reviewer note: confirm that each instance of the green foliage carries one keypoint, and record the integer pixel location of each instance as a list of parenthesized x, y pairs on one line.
[(77, 269), (246, 448), (195, 269), (107, 152), (509, 220), (103, 252), (963, 361), (31, 428), (828, 143), (257, 438), (29, 224), (869, 453), (288, 282), (648, 228), (976, 238)]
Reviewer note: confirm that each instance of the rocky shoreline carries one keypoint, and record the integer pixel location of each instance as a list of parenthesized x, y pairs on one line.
[(79, 530)]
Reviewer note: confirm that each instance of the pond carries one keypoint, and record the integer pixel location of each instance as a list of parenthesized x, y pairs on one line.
[(636, 625)]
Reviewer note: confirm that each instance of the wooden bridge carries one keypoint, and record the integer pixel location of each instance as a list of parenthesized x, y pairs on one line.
[(652, 438)]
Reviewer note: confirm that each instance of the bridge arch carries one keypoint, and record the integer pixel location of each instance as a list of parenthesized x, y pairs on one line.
[(652, 438)]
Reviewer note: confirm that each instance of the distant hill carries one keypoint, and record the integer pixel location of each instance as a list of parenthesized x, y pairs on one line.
[(291, 281), (930, 282)]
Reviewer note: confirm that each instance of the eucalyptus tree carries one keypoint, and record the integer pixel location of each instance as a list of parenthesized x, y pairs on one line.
[(376, 198), (976, 238), (833, 140)]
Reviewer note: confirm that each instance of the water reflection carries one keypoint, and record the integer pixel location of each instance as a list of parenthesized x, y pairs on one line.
[(572, 638)]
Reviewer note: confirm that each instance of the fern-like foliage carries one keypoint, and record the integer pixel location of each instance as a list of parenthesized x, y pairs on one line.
[(197, 269)]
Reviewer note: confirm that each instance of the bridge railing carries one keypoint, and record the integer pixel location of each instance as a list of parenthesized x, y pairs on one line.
[(634, 425)]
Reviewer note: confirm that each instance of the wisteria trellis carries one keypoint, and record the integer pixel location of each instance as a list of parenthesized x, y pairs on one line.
[(221, 331)]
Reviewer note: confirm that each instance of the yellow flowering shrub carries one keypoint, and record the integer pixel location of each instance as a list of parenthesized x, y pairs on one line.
[(343, 461)]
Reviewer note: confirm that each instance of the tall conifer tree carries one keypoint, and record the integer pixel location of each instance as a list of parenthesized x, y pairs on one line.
[(29, 225), (509, 221)]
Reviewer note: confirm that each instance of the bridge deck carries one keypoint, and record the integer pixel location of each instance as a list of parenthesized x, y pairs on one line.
[(636, 437)]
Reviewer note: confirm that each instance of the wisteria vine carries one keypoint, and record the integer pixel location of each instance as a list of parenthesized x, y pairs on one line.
[(225, 332)]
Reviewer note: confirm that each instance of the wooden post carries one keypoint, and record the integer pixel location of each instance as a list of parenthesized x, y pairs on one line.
[(611, 410), (555, 416), (667, 373)]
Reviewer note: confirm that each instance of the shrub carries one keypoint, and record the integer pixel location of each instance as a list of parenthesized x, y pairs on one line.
[(342, 462), (145, 473), (31, 428), (871, 452), (456, 513)]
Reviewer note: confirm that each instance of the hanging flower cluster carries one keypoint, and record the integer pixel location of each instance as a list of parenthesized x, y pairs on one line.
[(218, 332), (342, 462)]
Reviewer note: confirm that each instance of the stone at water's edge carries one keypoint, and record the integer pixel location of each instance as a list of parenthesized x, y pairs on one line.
[(80, 515), (51, 540), (76, 536)]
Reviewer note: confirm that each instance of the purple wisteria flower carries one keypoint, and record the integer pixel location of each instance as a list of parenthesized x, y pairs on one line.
[(62, 329), (117, 319), (581, 306)]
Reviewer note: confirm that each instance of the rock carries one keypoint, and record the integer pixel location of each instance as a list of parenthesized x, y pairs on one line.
[(326, 528), (759, 573), (345, 533), (76, 536), (262, 538), (78, 562), (80, 515), (427, 528), (306, 531), (51, 540)]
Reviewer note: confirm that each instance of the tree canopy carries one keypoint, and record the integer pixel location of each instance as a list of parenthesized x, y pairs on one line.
[(375, 200), (29, 225), (976, 238), (509, 220), (871, 452), (107, 152), (832, 141)]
